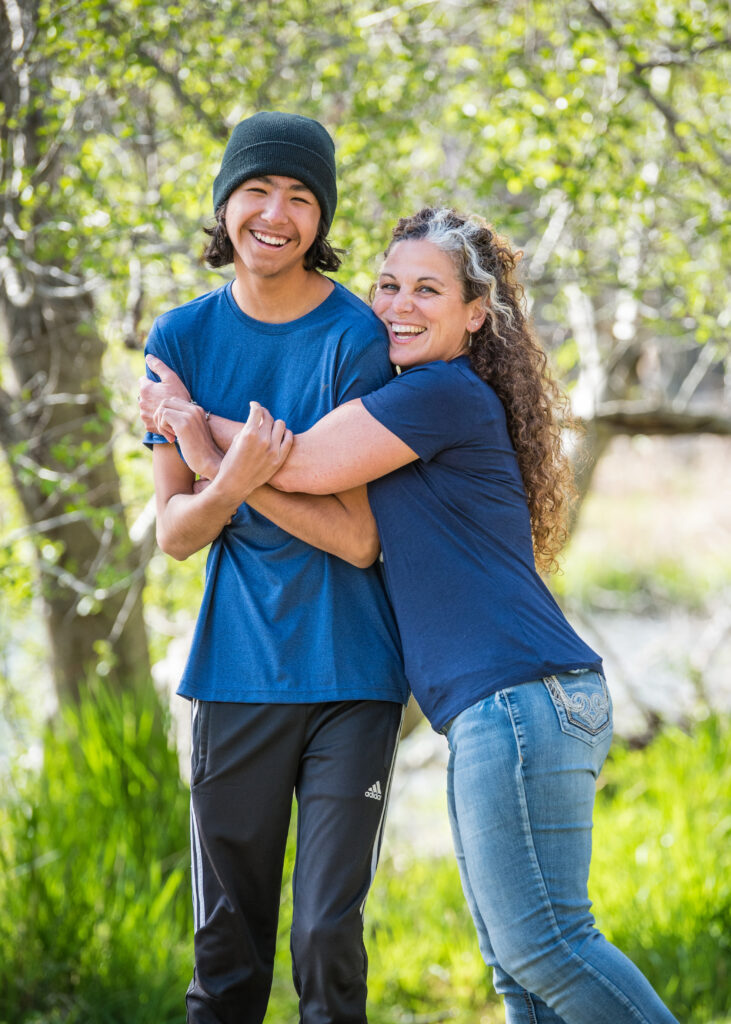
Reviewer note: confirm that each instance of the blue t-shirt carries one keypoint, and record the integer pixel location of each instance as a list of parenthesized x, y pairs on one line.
[(280, 621), (473, 613)]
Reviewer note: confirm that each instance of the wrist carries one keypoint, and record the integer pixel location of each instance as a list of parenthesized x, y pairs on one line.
[(206, 412), (230, 493), (211, 464)]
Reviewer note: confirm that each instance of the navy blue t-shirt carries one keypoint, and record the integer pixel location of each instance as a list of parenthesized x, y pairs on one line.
[(280, 621), (473, 613)]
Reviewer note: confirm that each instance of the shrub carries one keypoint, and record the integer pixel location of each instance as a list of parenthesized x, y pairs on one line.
[(94, 901)]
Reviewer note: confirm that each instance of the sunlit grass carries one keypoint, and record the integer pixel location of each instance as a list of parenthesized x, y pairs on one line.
[(661, 873), (661, 885), (95, 919)]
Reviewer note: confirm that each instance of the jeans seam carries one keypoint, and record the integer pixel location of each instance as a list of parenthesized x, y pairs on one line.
[(620, 996), (513, 725), (533, 1019)]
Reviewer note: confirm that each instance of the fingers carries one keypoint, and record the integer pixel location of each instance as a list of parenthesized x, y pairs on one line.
[(260, 421), (148, 398), (176, 413), (173, 415), (181, 405), (252, 422), (163, 427), (286, 445), (281, 441), (273, 432), (157, 366), (160, 425), (279, 428)]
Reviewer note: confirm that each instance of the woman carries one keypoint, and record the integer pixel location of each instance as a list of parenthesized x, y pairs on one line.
[(468, 483)]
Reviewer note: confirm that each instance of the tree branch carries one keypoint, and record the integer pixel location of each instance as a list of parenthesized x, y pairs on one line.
[(44, 525), (642, 418), (217, 128), (684, 58), (697, 372), (8, 432), (670, 115)]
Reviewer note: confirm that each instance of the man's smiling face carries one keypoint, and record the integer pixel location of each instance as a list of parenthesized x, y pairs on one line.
[(272, 221)]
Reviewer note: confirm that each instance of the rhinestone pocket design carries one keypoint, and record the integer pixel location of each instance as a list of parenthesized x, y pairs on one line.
[(587, 711)]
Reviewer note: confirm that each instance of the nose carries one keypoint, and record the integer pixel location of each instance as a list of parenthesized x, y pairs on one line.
[(274, 210), (401, 301)]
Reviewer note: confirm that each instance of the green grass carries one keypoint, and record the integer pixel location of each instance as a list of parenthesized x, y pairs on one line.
[(661, 873), (94, 901), (661, 884), (95, 919)]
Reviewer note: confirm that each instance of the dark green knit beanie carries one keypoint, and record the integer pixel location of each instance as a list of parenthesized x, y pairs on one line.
[(271, 142)]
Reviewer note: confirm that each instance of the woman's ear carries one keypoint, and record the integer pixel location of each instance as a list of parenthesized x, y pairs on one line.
[(478, 313)]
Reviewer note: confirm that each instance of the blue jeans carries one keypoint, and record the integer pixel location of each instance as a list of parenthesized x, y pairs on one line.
[(521, 781)]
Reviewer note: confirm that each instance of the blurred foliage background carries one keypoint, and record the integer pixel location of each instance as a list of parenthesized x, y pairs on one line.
[(596, 136)]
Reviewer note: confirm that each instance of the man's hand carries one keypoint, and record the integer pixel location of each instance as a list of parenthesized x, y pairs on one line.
[(152, 393), (258, 450), (185, 421)]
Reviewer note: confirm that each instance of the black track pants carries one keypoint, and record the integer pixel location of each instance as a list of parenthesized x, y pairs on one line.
[(247, 761)]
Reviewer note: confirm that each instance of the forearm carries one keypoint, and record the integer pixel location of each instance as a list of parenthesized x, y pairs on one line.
[(155, 393), (188, 522), (345, 449), (223, 430), (342, 526)]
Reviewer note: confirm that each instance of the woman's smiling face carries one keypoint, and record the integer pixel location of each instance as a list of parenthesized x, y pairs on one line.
[(419, 299)]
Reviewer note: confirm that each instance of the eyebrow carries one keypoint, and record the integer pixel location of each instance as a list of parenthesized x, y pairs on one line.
[(426, 277), (297, 187)]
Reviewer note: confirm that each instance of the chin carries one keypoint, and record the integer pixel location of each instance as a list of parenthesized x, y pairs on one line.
[(403, 359)]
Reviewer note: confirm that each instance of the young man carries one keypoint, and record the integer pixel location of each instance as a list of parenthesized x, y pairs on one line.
[(294, 673)]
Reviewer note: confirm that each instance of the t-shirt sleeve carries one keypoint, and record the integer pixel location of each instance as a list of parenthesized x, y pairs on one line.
[(155, 345), (366, 371), (430, 408)]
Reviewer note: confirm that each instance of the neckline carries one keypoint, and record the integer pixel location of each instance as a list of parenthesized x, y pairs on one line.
[(287, 326)]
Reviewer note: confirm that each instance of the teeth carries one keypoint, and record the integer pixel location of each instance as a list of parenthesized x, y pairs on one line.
[(407, 329), (269, 239)]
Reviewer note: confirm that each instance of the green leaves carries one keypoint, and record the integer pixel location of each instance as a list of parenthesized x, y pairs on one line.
[(476, 104)]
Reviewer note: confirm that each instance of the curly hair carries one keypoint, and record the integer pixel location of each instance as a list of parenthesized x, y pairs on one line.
[(506, 354), (219, 252)]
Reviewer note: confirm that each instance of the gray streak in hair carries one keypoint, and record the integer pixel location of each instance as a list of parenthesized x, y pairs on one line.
[(459, 241)]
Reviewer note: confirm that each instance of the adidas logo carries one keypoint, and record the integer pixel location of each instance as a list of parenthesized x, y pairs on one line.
[(374, 791)]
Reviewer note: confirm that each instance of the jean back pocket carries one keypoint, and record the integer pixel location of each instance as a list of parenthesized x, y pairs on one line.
[(582, 703)]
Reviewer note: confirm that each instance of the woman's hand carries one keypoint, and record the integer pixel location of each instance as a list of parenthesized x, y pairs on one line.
[(186, 422), (258, 450), (152, 393)]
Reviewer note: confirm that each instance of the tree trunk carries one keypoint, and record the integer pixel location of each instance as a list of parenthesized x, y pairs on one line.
[(590, 446), (56, 429)]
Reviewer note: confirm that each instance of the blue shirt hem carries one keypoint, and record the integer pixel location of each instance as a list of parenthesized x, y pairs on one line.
[(466, 700), (240, 696)]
